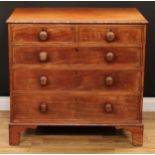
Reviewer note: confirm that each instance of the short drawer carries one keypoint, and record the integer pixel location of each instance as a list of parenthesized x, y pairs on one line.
[(43, 33), (86, 80), (109, 57), (73, 108), (113, 35)]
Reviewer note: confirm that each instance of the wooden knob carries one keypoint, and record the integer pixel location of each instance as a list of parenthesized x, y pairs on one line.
[(108, 107), (110, 57), (43, 108), (110, 36), (43, 56), (109, 81), (43, 35), (43, 80)]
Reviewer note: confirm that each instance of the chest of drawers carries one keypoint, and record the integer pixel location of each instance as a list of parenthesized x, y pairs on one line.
[(76, 66)]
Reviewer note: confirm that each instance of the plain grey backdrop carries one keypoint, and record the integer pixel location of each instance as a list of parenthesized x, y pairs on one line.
[(147, 9)]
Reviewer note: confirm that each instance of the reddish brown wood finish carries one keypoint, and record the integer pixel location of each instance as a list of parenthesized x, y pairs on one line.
[(81, 80), (77, 15), (76, 109), (15, 132), (30, 33), (124, 35), (123, 57), (76, 67), (136, 133)]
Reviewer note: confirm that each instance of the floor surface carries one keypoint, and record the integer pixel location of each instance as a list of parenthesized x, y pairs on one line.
[(77, 140)]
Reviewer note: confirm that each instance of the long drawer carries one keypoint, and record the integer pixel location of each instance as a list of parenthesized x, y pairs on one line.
[(74, 108), (83, 80), (108, 57)]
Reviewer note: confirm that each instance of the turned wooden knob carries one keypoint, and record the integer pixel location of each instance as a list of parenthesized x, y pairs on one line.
[(43, 108), (43, 35), (43, 80), (109, 81), (43, 56), (110, 57), (108, 107), (110, 36)]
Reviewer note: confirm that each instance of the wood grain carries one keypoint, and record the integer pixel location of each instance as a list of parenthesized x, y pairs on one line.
[(76, 15), (83, 55), (60, 73), (94, 34), (15, 133), (55, 33), (124, 34), (77, 140), (75, 109), (86, 80), (136, 132)]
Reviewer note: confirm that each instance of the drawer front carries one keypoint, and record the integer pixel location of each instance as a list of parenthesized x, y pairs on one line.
[(117, 35), (73, 108), (86, 80), (114, 57), (43, 33)]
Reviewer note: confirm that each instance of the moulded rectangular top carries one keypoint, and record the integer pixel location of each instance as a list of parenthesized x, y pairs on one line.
[(77, 15)]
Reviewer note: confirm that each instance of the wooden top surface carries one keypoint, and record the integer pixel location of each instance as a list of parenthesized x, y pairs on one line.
[(76, 15)]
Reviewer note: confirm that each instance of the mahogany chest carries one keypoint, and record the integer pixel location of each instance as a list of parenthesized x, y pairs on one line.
[(76, 67)]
